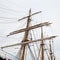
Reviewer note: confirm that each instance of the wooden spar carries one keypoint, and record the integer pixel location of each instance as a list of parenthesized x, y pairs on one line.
[(30, 15), (29, 41), (30, 28)]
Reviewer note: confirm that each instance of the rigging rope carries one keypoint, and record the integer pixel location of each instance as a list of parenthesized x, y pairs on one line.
[(35, 38), (31, 52), (8, 9), (39, 54), (47, 55), (8, 18), (8, 53), (33, 46)]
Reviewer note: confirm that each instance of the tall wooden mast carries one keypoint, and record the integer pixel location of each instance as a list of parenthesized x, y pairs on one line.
[(42, 45), (26, 35)]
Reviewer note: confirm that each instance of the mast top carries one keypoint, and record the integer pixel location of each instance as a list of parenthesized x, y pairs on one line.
[(30, 15)]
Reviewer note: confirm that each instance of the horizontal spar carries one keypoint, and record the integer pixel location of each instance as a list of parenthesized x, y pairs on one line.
[(32, 27), (30, 15), (30, 41)]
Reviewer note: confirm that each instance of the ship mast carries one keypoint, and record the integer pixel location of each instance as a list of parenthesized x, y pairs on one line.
[(42, 45), (26, 35), (52, 56), (26, 40)]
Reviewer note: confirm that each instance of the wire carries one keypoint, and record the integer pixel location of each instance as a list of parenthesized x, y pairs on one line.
[(9, 37), (8, 22), (11, 2), (39, 54), (34, 47), (9, 9), (35, 38), (8, 53), (8, 18), (47, 55), (7, 12), (31, 52)]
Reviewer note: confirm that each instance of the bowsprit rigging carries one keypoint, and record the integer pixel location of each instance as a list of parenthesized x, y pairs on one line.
[(25, 43)]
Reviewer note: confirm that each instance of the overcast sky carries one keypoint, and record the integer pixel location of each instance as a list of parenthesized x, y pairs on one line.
[(16, 9)]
